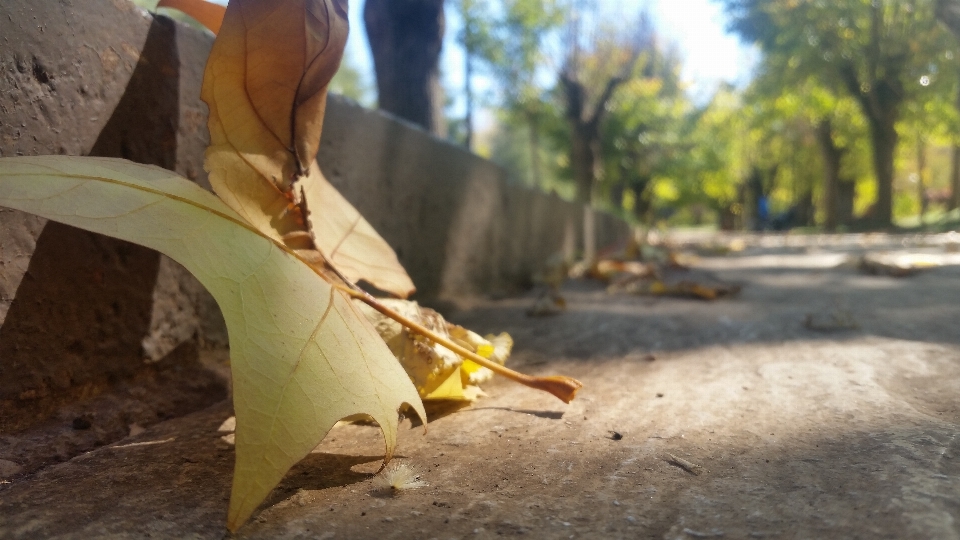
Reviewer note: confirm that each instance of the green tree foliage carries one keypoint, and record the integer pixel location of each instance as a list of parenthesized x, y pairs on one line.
[(475, 39), (645, 138), (877, 51), (515, 48)]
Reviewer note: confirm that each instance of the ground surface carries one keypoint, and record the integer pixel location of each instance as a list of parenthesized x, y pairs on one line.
[(795, 432)]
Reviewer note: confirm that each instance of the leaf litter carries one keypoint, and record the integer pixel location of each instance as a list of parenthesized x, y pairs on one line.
[(655, 270)]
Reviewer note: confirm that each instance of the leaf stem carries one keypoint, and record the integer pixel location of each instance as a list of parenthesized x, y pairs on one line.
[(561, 386)]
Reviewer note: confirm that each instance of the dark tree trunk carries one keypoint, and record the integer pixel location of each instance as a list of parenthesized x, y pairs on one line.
[(880, 96), (533, 123), (468, 90), (406, 37), (883, 135), (846, 193), (585, 145), (955, 179), (955, 166), (583, 162), (948, 11), (832, 157), (880, 104), (921, 179)]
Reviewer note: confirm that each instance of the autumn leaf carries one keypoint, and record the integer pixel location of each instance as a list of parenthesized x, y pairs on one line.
[(266, 86), (438, 372), (302, 355)]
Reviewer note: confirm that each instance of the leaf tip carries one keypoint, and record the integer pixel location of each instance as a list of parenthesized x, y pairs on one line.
[(563, 387)]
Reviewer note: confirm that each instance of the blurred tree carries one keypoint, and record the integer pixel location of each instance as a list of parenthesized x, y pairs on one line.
[(516, 53), (876, 50), (716, 162), (948, 11), (406, 37), (475, 39), (645, 140), (599, 59), (810, 108)]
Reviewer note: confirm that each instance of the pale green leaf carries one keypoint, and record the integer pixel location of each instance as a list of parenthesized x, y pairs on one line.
[(302, 356)]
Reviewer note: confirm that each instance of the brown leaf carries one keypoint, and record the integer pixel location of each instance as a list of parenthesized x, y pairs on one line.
[(266, 87), (269, 71), (349, 242)]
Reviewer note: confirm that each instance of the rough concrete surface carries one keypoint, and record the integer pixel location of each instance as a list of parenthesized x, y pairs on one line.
[(457, 225), (81, 312), (795, 433)]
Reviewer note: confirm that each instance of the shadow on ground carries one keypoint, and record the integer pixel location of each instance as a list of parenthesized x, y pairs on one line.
[(794, 433)]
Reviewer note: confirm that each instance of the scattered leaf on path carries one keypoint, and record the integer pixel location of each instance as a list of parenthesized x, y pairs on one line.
[(437, 372), (894, 265)]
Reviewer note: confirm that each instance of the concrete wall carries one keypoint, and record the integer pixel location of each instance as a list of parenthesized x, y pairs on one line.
[(457, 225), (80, 311)]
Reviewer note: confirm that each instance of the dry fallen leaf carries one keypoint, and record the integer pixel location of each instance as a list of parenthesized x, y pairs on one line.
[(436, 371), (273, 250), (302, 356), (895, 265), (266, 86)]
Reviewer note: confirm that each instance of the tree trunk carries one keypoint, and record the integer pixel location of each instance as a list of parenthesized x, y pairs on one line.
[(955, 165), (589, 233), (883, 135), (955, 179), (583, 162), (585, 144), (832, 157), (468, 90), (406, 37), (533, 125), (846, 193), (880, 97), (921, 179)]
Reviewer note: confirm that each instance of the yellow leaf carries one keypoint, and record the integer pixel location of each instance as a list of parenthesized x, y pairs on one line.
[(450, 388), (349, 242), (427, 364), (302, 355), (266, 86), (436, 371)]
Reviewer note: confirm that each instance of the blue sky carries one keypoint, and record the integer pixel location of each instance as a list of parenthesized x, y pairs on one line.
[(710, 54), (696, 27)]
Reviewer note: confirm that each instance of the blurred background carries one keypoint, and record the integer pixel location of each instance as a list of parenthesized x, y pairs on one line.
[(714, 114)]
